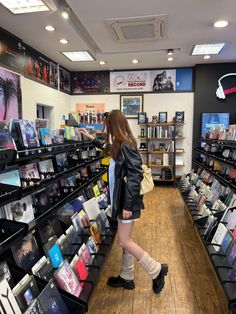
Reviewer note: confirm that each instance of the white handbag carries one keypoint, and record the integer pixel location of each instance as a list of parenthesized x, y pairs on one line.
[(147, 183)]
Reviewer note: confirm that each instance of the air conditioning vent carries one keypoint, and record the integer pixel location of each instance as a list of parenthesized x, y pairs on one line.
[(143, 28)]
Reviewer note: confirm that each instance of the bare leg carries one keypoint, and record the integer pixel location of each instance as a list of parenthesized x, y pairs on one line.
[(125, 241)]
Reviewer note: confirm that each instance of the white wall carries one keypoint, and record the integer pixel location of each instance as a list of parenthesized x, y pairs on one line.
[(153, 103), (33, 93)]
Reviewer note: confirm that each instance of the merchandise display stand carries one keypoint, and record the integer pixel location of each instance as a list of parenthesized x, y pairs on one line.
[(197, 186), (12, 232)]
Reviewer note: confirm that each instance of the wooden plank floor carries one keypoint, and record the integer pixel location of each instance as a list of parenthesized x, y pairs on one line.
[(166, 233)]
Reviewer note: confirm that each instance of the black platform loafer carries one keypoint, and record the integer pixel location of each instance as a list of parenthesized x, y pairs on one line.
[(118, 282), (159, 282)]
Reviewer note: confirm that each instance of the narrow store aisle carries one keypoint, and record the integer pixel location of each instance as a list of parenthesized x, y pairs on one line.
[(165, 231)]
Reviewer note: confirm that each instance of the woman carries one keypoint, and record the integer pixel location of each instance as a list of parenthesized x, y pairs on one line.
[(125, 176)]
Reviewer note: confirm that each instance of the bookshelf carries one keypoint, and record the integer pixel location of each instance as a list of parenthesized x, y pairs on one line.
[(209, 194), (13, 232), (160, 148)]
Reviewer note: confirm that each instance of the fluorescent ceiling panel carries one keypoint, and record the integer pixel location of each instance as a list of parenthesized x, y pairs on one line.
[(24, 6), (208, 49), (78, 56)]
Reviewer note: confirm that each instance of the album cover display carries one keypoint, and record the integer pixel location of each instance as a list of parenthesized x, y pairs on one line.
[(51, 301), (83, 221), (142, 117), (91, 245), (46, 168), (232, 253), (62, 162), (6, 274), (26, 252), (67, 279), (58, 136), (73, 235), (102, 200), (96, 190), (65, 245), (43, 269), (8, 304), (79, 267), (11, 177), (89, 191), (65, 213), (77, 205), (6, 140), (91, 208), (46, 136), (46, 231), (95, 233), (20, 210), (29, 174), (41, 201), (103, 223), (54, 192), (77, 224), (84, 172), (53, 251), (68, 184), (26, 291), (29, 136)]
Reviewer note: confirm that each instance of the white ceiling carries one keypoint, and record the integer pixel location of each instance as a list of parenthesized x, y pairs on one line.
[(189, 22)]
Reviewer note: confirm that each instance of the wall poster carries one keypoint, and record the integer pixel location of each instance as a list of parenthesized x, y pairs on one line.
[(10, 95)]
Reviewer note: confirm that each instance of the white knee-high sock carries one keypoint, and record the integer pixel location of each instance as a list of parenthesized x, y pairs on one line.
[(151, 266), (127, 266)]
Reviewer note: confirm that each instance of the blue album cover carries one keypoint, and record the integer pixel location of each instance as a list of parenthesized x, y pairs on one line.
[(55, 255), (11, 177), (46, 136), (210, 119), (226, 243), (77, 205), (29, 135)]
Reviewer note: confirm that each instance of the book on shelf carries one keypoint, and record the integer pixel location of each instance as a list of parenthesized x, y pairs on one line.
[(20, 210), (142, 117), (179, 160), (26, 252), (8, 304), (51, 301), (67, 279), (43, 269), (26, 291), (179, 116)]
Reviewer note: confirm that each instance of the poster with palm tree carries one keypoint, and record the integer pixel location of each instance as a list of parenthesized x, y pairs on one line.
[(10, 95)]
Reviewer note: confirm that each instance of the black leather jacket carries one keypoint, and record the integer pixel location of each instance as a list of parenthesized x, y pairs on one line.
[(126, 194)]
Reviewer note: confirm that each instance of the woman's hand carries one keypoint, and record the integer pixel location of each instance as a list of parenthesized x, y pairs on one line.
[(126, 214), (86, 133)]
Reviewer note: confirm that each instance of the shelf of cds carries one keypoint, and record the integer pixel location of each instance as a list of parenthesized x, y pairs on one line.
[(209, 193), (55, 226), (159, 142)]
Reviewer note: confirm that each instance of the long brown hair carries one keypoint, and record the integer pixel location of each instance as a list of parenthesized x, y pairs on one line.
[(118, 130)]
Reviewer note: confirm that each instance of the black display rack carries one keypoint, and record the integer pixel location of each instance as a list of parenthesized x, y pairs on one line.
[(218, 261), (12, 232)]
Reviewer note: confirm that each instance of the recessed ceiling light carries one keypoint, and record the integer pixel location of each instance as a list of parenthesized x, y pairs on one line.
[(78, 56), (170, 52), (102, 62), (50, 28), (24, 6), (221, 24), (208, 49), (135, 61), (207, 57), (170, 59), (65, 14), (63, 41)]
